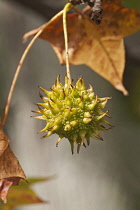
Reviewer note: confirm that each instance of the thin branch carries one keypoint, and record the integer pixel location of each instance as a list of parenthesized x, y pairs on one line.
[(20, 65)]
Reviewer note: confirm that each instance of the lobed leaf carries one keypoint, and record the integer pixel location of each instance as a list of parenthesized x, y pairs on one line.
[(10, 170), (99, 47)]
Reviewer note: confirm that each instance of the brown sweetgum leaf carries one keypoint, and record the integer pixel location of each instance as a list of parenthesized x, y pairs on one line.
[(3, 141), (23, 194), (10, 170), (99, 47)]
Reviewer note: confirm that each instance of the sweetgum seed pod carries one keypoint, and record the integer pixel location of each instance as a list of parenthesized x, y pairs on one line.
[(72, 111)]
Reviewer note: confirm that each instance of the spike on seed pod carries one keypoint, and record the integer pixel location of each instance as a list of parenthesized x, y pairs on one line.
[(74, 112), (43, 117), (72, 146), (78, 147), (88, 141), (48, 93), (41, 96), (47, 135), (37, 111), (58, 141), (90, 88)]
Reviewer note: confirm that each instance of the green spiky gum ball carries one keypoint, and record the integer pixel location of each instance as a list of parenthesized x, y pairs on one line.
[(72, 111)]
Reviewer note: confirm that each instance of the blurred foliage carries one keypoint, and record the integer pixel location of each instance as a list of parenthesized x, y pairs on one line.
[(23, 194), (135, 4), (132, 80)]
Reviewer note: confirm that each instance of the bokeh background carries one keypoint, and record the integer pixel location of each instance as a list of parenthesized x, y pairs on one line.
[(104, 176)]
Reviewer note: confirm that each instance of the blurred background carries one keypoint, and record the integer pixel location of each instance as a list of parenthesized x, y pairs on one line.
[(104, 176)]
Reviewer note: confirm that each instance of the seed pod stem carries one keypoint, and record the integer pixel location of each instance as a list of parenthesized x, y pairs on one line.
[(67, 8)]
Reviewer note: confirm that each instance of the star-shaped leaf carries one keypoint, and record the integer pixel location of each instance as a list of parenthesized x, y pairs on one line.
[(99, 47)]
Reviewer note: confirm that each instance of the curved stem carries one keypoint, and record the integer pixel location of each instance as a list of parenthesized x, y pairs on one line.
[(67, 8), (20, 65)]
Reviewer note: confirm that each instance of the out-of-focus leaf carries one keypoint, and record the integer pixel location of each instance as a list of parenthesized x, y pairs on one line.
[(99, 47), (10, 170), (132, 103), (23, 194), (135, 4), (38, 179)]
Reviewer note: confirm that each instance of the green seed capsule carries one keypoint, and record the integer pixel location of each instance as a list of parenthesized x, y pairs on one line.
[(87, 120), (74, 123), (67, 128), (87, 114), (72, 111)]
